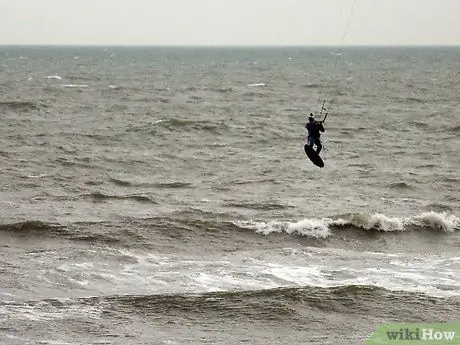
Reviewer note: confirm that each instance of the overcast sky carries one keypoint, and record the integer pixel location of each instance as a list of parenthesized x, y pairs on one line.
[(230, 22)]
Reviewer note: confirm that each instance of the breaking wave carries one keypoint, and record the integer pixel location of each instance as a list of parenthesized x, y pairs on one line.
[(192, 226), (321, 228)]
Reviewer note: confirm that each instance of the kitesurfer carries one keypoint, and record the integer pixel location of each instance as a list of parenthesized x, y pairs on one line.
[(314, 136)]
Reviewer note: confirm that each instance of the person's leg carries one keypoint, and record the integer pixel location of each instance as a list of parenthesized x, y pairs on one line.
[(311, 141), (319, 145)]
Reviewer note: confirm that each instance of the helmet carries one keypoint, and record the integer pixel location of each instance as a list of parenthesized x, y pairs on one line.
[(311, 118)]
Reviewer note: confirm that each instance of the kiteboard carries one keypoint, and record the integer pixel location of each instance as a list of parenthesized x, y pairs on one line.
[(314, 157)]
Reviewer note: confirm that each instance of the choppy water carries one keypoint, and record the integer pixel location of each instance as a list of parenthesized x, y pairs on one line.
[(162, 195)]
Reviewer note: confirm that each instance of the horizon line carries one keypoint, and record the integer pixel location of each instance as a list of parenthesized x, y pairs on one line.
[(227, 45)]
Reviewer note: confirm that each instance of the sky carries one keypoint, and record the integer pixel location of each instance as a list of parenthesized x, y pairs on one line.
[(230, 22)]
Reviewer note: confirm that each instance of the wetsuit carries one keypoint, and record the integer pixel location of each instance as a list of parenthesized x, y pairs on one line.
[(314, 136)]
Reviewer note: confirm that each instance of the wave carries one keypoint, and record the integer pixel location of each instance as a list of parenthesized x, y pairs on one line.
[(33, 227), (269, 304), (315, 228), (401, 185), (101, 232), (412, 100), (450, 179), (316, 296), (75, 86), (203, 226), (174, 124), (54, 77), (429, 220), (254, 181), (191, 89), (311, 86), (438, 207), (101, 197), (112, 238), (19, 106), (173, 185), (420, 125), (257, 85), (321, 228), (5, 154), (163, 100), (120, 182), (118, 108), (455, 129), (259, 205), (251, 95), (294, 110), (222, 90), (160, 185)]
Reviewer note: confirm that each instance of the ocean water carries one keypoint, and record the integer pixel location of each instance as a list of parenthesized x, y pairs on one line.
[(155, 195)]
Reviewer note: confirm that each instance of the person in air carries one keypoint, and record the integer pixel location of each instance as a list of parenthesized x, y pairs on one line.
[(314, 136)]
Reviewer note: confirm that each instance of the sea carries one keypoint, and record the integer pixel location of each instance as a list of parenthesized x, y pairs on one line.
[(162, 195)]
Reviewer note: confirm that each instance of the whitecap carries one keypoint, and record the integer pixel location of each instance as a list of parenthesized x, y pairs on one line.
[(257, 84), (75, 85), (317, 228), (56, 77)]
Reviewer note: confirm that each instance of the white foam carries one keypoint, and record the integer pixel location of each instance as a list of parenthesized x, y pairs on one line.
[(436, 275), (78, 86), (38, 176), (109, 271), (308, 227), (296, 275), (320, 228), (404, 275), (257, 84), (45, 311), (374, 221), (56, 77), (445, 222)]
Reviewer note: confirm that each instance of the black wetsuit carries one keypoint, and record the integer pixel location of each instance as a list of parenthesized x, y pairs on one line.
[(314, 135)]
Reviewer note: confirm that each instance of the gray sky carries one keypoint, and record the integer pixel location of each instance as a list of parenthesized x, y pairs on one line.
[(229, 22)]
